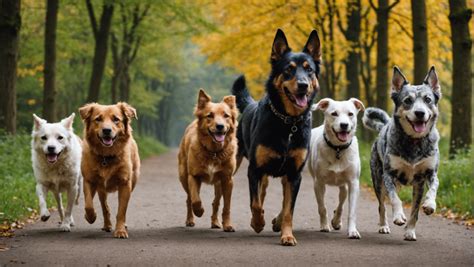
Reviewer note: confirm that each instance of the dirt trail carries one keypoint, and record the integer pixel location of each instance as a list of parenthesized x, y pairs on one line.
[(156, 218)]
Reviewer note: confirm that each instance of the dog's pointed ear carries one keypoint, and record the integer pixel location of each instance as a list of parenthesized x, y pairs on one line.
[(128, 110), (67, 122), (280, 46), (230, 101), (313, 46), (37, 122), (203, 99), (398, 80), (432, 80), (86, 111), (358, 104), (322, 105)]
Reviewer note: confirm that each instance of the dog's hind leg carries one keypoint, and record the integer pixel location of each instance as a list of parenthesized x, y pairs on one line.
[(418, 189), (320, 190), (68, 221), (256, 188), (194, 187), (105, 210), (336, 220), (189, 215), (215, 205), (376, 173), (59, 201), (42, 193), (89, 193)]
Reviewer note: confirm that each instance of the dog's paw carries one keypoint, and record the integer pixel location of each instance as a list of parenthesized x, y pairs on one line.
[(90, 216), (276, 224), (216, 225), (121, 233), (72, 222), (107, 228), (429, 206), (198, 210), (257, 223), (325, 228), (353, 234), (336, 224), (229, 228), (65, 227), (189, 223), (45, 217), (410, 235), (399, 219), (288, 240), (384, 229)]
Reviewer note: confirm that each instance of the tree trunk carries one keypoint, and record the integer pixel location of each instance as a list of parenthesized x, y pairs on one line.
[(461, 128), (101, 35), (381, 78), (49, 92), (10, 24), (420, 40)]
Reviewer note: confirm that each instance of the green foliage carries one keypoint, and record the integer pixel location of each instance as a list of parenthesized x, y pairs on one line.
[(149, 146), (455, 190)]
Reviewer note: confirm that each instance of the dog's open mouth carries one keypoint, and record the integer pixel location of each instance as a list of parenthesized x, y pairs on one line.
[(107, 141), (343, 136), (300, 100), (418, 126), (218, 137), (52, 157)]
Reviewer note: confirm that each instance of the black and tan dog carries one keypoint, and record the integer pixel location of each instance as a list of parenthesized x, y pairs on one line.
[(274, 133)]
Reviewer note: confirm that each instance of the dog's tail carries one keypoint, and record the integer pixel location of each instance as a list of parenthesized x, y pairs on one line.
[(239, 89), (375, 119)]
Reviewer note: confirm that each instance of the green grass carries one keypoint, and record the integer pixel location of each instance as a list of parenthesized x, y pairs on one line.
[(455, 190), (17, 183)]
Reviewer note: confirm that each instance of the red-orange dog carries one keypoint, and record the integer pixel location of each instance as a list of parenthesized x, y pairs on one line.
[(207, 154), (110, 160)]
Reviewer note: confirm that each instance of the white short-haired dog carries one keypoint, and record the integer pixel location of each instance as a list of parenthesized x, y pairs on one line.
[(334, 159), (56, 155)]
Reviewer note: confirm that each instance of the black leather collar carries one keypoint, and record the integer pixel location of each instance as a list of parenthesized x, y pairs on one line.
[(338, 149), (289, 120)]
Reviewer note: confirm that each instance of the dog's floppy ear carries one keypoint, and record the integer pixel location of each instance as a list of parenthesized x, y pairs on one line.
[(229, 100), (280, 46), (358, 104), (322, 105), (203, 99), (86, 111), (67, 122), (398, 80), (128, 110), (38, 122), (431, 79), (313, 46)]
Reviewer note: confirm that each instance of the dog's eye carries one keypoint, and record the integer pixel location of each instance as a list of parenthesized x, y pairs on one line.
[(309, 69), (334, 114), (408, 101), (60, 137), (351, 114), (98, 119), (210, 116), (44, 137), (427, 100), (116, 120), (289, 69), (226, 115)]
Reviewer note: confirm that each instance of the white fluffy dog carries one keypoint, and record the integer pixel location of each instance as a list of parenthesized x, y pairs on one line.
[(56, 155), (334, 159)]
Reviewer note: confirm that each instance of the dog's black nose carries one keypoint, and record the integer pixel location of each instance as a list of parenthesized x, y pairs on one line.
[(219, 127), (344, 126), (302, 86), (106, 131), (420, 114), (51, 149)]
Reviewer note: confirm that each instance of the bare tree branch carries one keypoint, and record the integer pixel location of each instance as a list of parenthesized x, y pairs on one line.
[(93, 20), (393, 4), (373, 5), (402, 27)]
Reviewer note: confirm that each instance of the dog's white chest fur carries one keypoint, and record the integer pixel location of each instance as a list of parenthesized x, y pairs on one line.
[(411, 169), (211, 171)]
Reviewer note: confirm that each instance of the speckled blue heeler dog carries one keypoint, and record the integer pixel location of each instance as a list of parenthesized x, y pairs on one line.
[(406, 151)]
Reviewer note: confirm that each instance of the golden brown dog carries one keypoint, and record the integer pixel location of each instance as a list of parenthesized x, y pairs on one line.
[(207, 154), (110, 160)]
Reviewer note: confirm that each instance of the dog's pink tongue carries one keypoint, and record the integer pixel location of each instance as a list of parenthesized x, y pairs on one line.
[(419, 127), (343, 136), (52, 157), (219, 137), (302, 101), (107, 141)]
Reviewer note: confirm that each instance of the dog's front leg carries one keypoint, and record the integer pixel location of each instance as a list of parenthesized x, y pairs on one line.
[(336, 220), (418, 189), (71, 198), (124, 192), (227, 185), (59, 201), (194, 186), (105, 210), (399, 217), (89, 193), (290, 192), (42, 193), (215, 205), (320, 190), (257, 189), (429, 205), (353, 196)]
